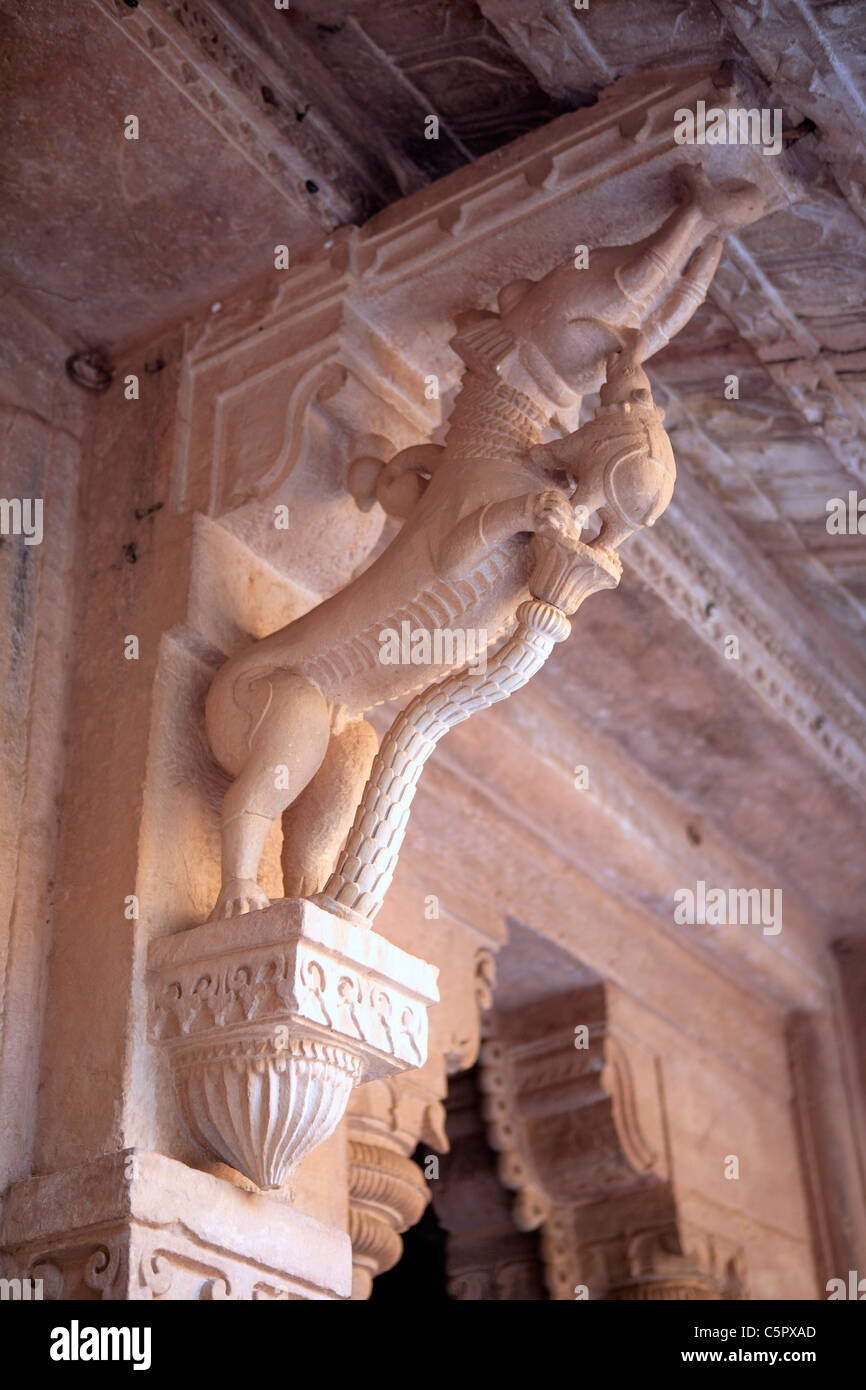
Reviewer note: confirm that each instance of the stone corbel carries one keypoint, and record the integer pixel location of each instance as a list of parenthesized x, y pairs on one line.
[(269, 1021), (569, 1122), (572, 1104)]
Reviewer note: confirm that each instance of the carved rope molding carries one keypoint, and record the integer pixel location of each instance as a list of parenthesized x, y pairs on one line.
[(562, 579), (792, 44)]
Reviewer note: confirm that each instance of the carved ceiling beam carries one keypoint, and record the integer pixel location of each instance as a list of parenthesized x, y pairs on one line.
[(553, 43), (631, 127), (792, 356), (794, 45)]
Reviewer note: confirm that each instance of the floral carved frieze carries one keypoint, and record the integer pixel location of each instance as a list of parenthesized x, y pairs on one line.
[(268, 1024)]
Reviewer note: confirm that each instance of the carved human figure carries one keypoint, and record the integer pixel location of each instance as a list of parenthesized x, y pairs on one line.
[(285, 717)]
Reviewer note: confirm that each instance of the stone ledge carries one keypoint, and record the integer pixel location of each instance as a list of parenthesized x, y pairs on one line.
[(135, 1207)]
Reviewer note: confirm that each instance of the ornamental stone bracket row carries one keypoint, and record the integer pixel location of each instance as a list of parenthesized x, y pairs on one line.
[(573, 1106), (270, 1020)]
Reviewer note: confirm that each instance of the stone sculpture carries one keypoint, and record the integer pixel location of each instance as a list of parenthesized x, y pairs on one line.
[(493, 542)]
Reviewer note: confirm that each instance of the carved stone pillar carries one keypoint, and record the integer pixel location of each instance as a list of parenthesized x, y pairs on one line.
[(387, 1191)]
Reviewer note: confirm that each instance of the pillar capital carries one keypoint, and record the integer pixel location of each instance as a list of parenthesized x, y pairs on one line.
[(269, 1020)]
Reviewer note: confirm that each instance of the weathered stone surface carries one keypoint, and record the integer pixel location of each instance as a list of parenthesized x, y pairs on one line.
[(138, 1225), (550, 835)]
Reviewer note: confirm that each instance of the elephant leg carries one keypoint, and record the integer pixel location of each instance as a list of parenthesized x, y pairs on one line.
[(318, 821), (285, 752)]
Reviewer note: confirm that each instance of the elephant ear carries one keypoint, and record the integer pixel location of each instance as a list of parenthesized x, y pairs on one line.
[(397, 485)]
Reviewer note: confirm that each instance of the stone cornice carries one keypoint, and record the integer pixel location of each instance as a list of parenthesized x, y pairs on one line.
[(710, 575), (632, 124), (791, 355)]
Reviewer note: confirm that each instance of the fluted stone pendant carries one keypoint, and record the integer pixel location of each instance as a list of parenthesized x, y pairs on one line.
[(269, 1020)]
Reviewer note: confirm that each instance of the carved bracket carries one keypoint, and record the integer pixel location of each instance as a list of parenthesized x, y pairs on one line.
[(269, 1022)]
